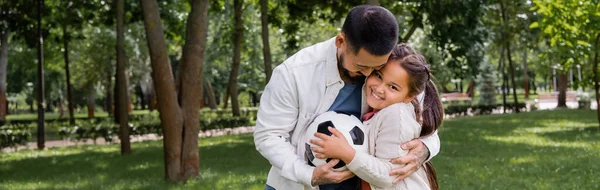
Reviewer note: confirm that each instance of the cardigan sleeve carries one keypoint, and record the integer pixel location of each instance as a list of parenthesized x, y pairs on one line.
[(393, 127)]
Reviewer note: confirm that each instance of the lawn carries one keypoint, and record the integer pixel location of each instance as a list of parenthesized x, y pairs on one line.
[(537, 150)]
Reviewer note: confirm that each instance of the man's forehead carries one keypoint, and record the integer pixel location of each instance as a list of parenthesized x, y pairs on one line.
[(364, 58)]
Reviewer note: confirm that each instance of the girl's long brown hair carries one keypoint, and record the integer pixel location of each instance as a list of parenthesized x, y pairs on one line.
[(420, 79)]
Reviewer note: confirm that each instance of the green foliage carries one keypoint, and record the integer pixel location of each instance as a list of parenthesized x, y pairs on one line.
[(14, 135), (479, 109), (17, 132), (569, 27)]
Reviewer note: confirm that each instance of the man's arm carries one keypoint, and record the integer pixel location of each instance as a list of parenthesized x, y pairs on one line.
[(432, 143), (419, 151), (276, 119)]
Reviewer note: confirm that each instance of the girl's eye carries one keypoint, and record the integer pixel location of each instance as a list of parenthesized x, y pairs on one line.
[(378, 75), (393, 87)]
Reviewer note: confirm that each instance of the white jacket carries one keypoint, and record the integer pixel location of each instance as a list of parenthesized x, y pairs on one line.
[(303, 86)]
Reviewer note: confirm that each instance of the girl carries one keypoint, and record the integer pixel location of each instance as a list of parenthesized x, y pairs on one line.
[(394, 119)]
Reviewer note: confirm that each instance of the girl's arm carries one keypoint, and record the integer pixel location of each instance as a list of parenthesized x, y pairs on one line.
[(394, 129)]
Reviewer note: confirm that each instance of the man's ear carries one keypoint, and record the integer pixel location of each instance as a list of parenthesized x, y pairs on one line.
[(340, 41)]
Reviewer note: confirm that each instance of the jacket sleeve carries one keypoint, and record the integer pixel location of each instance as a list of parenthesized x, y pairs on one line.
[(276, 119), (375, 169), (432, 142)]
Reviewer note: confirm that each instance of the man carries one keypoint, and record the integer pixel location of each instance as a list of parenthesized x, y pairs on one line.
[(327, 76)]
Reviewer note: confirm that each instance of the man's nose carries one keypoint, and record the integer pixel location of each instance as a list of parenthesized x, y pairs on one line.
[(366, 71)]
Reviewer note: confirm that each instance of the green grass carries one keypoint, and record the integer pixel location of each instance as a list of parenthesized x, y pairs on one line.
[(537, 150), (229, 162)]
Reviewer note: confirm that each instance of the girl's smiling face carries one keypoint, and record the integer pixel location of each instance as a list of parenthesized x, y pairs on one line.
[(388, 86)]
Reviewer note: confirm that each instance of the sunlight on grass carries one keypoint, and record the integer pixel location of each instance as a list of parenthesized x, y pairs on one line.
[(538, 141), (523, 160)]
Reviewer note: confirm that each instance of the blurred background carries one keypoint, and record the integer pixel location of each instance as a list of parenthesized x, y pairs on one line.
[(78, 76)]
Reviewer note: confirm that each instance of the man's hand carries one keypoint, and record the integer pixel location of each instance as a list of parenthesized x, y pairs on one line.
[(324, 174), (417, 154)]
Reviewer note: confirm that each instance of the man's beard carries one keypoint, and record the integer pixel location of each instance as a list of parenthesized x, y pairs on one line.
[(345, 72)]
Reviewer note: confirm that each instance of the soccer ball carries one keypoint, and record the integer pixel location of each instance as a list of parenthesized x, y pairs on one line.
[(350, 126)]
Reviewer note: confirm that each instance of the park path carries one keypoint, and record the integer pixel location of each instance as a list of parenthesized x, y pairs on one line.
[(136, 138)]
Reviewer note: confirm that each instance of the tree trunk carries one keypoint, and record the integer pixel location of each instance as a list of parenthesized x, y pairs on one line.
[(3, 64), (511, 69), (471, 88), (91, 103), (596, 77), (40, 79), (122, 84), (61, 108), (69, 94), (128, 92), (210, 95), (226, 98), (116, 97), (525, 74), (180, 136), (372, 2), (563, 82), (191, 74), (264, 17), (533, 82), (109, 96), (237, 47), (503, 73)]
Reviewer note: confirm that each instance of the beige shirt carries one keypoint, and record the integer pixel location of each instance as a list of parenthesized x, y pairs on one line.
[(387, 129)]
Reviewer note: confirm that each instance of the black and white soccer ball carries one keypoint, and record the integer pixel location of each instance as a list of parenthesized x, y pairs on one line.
[(350, 126)]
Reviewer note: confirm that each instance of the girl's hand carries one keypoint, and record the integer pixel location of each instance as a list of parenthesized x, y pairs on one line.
[(335, 146)]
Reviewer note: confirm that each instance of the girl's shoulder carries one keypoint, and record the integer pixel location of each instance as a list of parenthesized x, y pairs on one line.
[(400, 107), (400, 110)]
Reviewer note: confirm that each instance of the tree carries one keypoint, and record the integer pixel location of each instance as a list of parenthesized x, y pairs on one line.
[(40, 81), (264, 18), (237, 48), (3, 62), (569, 27), (460, 34), (121, 81), (511, 69), (70, 16), (209, 94), (179, 118), (15, 20), (596, 76)]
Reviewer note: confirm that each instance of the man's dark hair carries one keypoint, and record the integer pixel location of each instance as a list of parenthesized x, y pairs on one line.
[(373, 28)]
